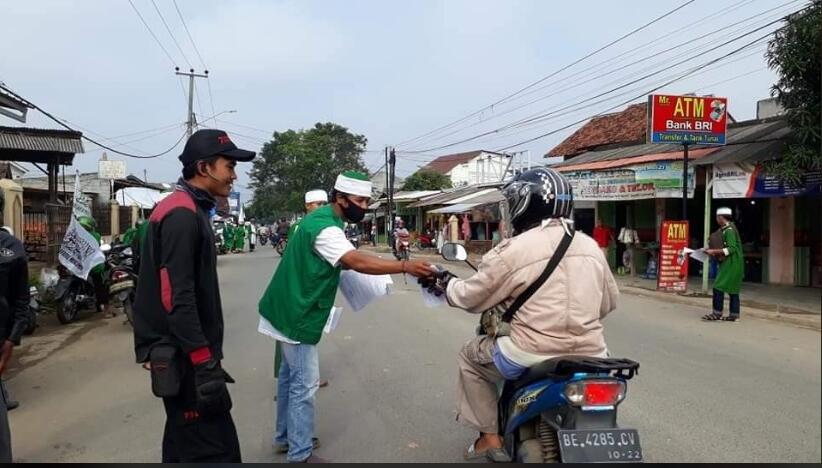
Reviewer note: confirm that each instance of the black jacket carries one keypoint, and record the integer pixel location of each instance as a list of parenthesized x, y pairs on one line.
[(178, 296), (14, 288)]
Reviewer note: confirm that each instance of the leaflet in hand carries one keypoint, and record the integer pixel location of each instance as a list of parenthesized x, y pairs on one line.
[(360, 289), (698, 255), (333, 319), (431, 300)]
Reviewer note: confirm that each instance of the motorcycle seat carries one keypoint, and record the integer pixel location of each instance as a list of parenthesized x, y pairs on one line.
[(566, 366)]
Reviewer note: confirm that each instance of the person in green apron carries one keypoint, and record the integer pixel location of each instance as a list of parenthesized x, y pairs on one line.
[(298, 301), (96, 276), (313, 200), (731, 268), (239, 238)]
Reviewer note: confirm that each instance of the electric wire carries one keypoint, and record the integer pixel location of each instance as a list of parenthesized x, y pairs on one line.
[(168, 29), (625, 36)]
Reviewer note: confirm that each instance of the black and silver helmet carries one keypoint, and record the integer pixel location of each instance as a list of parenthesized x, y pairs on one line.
[(536, 195)]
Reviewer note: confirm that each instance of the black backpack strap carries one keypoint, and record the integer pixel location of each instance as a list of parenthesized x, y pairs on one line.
[(549, 269)]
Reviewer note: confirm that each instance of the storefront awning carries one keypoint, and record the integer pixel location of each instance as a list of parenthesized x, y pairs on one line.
[(458, 208)]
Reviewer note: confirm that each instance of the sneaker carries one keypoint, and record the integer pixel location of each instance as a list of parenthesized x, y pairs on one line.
[(731, 318), (12, 404)]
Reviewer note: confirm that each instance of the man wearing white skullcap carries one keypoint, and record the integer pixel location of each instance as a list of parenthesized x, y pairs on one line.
[(299, 298), (731, 268)]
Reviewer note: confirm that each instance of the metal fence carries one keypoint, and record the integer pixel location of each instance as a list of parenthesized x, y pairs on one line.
[(125, 218), (102, 216), (59, 218), (35, 233)]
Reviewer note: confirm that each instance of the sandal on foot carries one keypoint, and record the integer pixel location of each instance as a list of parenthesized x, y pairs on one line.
[(496, 455), (711, 317), (730, 318)]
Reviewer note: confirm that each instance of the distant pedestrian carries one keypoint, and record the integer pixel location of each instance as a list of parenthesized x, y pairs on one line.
[(178, 315), (731, 268)]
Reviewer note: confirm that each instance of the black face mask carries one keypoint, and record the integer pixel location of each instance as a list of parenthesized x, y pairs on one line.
[(352, 212)]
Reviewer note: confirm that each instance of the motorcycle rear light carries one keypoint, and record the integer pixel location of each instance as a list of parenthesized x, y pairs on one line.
[(595, 392), (119, 275)]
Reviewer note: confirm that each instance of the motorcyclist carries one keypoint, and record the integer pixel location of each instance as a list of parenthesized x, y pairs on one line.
[(400, 234), (561, 318), (97, 273)]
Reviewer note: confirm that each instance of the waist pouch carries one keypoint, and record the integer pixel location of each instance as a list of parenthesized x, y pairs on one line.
[(166, 370)]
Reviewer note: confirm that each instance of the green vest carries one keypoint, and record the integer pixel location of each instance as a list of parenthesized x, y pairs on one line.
[(301, 294)]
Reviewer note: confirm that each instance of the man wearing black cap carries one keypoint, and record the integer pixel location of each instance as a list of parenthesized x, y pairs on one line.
[(178, 317)]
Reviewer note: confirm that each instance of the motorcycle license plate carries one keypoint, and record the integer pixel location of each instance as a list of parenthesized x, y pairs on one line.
[(599, 445)]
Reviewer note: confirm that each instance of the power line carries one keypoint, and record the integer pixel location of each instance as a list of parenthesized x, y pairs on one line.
[(190, 38), (622, 86), (170, 59), (59, 122), (174, 39), (197, 51), (639, 96), (625, 36), (615, 70)]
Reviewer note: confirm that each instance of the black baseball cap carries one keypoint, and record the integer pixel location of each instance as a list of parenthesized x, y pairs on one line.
[(205, 144)]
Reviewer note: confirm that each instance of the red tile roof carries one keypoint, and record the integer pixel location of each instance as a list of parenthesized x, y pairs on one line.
[(628, 126), (444, 164)]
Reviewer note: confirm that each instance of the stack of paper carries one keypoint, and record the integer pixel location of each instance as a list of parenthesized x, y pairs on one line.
[(360, 289)]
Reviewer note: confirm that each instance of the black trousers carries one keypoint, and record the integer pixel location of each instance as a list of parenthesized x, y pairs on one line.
[(192, 438)]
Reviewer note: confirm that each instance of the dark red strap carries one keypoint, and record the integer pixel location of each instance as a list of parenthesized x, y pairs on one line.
[(200, 355)]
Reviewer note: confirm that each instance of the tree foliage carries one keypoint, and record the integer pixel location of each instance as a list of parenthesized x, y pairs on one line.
[(296, 161), (427, 180), (795, 52)]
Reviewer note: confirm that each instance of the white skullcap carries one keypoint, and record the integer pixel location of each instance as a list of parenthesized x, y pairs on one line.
[(353, 183), (724, 211), (316, 196)]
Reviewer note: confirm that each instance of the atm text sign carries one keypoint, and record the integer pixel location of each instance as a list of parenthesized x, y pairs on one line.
[(687, 119)]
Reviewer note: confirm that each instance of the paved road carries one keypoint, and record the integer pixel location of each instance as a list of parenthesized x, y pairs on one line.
[(715, 392)]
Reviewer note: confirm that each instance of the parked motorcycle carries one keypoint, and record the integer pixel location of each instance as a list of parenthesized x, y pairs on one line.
[(354, 239), (425, 242), (565, 409), (71, 295), (122, 279), (34, 310)]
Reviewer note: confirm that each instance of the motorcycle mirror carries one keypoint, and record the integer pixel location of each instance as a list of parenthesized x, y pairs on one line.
[(454, 252), (105, 248)]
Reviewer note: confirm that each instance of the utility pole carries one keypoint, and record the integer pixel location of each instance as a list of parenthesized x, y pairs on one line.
[(392, 162), (191, 121)]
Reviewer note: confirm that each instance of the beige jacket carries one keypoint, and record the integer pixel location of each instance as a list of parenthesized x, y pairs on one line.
[(563, 316)]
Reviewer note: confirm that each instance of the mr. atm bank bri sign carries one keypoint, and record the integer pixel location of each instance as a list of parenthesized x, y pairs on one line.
[(689, 120)]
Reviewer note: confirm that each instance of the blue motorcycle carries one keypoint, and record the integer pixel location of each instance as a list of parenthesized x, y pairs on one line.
[(564, 410)]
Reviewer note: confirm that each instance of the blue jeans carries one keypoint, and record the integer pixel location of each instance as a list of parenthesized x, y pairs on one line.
[(296, 386), (719, 303)]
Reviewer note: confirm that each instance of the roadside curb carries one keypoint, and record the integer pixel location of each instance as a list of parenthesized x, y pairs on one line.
[(804, 320)]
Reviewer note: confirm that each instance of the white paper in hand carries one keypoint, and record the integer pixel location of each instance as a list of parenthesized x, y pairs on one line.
[(698, 255), (360, 289), (333, 319), (432, 300)]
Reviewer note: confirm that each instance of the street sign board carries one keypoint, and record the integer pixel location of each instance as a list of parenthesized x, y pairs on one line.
[(107, 169), (691, 120), (673, 262)]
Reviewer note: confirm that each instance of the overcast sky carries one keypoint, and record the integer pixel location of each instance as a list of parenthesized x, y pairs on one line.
[(389, 70)]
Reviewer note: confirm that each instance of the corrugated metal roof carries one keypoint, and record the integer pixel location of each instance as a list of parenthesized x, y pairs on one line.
[(458, 208), (740, 137), (414, 195), (449, 195), (478, 197), (35, 139)]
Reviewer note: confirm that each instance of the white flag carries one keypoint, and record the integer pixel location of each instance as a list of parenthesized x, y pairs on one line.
[(80, 207), (80, 251)]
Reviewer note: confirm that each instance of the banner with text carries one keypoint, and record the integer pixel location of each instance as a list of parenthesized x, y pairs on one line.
[(80, 251), (673, 262), (748, 180), (640, 182), (687, 119)]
